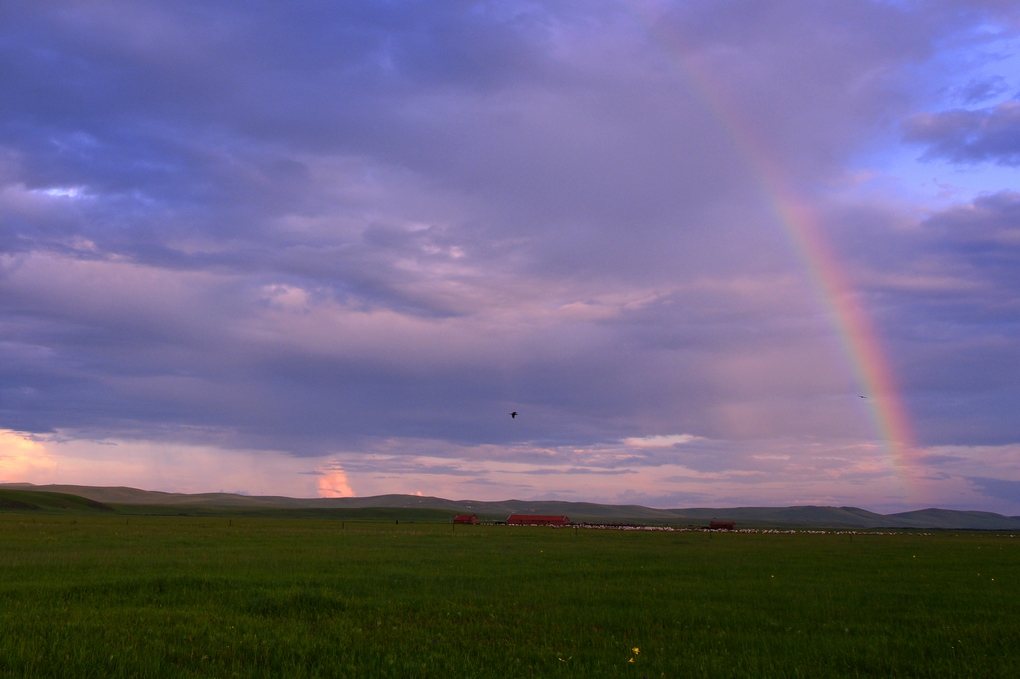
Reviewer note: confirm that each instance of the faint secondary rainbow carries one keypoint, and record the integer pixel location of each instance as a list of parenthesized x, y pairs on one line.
[(857, 334)]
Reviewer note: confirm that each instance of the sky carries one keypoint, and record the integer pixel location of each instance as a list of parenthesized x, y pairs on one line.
[(713, 252)]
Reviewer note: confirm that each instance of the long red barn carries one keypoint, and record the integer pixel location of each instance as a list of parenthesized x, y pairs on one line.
[(465, 518), (536, 520)]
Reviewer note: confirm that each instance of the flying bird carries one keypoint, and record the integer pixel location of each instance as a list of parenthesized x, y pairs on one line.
[(513, 414), (859, 396)]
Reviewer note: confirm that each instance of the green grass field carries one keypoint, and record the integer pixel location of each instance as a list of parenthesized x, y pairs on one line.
[(108, 596)]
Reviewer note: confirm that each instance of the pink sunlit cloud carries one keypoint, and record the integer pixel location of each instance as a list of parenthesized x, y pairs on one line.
[(333, 483)]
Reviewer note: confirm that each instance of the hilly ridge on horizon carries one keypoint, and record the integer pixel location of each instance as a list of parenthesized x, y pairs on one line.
[(794, 516)]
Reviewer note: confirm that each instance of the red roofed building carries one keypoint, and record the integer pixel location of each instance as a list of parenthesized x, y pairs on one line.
[(465, 518), (722, 525), (536, 520)]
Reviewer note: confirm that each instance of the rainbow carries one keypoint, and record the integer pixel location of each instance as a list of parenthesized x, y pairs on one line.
[(853, 325), (857, 334)]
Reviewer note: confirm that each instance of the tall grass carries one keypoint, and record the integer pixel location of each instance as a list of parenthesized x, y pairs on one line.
[(182, 596)]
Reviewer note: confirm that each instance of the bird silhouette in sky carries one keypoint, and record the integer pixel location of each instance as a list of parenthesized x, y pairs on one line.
[(513, 414), (859, 396)]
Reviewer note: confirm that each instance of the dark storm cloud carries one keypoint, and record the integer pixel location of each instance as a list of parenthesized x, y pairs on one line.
[(312, 226), (965, 136)]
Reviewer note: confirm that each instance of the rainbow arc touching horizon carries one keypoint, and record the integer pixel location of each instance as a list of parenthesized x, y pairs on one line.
[(857, 334)]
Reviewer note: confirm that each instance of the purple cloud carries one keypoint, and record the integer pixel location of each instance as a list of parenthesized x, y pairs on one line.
[(314, 229), (999, 488), (965, 136)]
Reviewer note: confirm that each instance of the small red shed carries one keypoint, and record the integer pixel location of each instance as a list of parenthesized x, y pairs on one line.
[(465, 518), (536, 520), (722, 525)]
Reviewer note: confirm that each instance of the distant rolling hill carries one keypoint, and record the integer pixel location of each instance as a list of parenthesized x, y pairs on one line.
[(44, 500), (435, 508)]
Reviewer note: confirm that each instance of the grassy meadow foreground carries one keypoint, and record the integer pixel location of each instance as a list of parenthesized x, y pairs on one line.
[(149, 596)]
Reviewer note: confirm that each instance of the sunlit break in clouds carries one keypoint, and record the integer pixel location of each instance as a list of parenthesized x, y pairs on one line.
[(711, 252)]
